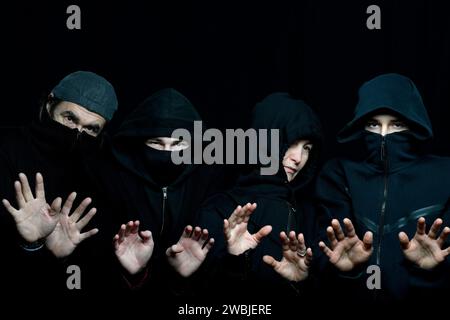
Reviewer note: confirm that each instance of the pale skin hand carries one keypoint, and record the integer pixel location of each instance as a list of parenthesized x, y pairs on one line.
[(238, 238), (133, 249), (346, 251), (67, 234), (425, 250), (292, 266), (190, 251), (34, 218)]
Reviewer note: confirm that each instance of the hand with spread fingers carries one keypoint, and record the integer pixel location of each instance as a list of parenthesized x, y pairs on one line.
[(35, 218), (190, 251), (67, 234), (133, 249), (236, 233), (425, 250), (296, 259), (346, 250)]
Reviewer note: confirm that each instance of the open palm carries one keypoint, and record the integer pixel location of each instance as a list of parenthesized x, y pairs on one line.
[(425, 250), (236, 233), (190, 251), (294, 266), (35, 218), (133, 250), (346, 251), (67, 234)]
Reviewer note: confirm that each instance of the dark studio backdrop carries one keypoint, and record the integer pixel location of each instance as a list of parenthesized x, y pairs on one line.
[(226, 56)]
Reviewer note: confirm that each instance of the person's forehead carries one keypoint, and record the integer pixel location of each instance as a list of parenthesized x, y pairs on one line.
[(80, 111), (385, 116)]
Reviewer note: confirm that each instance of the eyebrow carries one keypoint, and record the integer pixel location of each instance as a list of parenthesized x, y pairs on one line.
[(71, 114)]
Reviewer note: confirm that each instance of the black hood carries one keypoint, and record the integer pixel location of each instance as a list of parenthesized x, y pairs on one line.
[(395, 93), (159, 115), (295, 121)]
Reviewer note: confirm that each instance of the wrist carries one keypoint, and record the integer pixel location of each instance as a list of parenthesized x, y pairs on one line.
[(33, 246)]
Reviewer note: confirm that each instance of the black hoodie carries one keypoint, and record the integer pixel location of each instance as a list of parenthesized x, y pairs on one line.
[(55, 151), (281, 204), (131, 191), (390, 183)]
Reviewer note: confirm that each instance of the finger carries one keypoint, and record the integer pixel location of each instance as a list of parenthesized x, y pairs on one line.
[(270, 261), (349, 229), (337, 230), (444, 235), (293, 242), (83, 222), (56, 205), (135, 228), (234, 215), (435, 228), (116, 242), (226, 229), (28, 195), (204, 237), (128, 228), (421, 226), (174, 250), (9, 207), (264, 231), (40, 190), (122, 233), (146, 236), (332, 237), (88, 234), (69, 203), (209, 245), (368, 240), (250, 208), (309, 257), (80, 209), (327, 251), (197, 234), (301, 241), (19, 194), (187, 232), (404, 241), (284, 241)]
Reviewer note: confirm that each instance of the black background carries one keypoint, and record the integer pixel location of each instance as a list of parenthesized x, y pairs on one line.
[(226, 56)]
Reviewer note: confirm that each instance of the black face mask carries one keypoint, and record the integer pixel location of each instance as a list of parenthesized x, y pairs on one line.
[(160, 167)]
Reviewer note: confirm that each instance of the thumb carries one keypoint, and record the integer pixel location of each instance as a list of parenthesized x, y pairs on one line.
[(368, 240), (270, 261), (174, 250), (56, 205), (404, 241), (264, 231)]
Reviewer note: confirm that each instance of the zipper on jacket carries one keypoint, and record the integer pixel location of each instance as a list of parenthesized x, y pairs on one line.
[(291, 212), (164, 193), (383, 205)]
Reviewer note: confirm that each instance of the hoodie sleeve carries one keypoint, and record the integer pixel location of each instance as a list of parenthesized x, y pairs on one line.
[(333, 202)]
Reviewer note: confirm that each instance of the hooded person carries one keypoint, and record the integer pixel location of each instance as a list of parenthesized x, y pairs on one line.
[(383, 194), (34, 233), (144, 186), (262, 225)]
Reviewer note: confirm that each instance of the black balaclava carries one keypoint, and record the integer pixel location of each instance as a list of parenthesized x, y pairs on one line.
[(158, 116)]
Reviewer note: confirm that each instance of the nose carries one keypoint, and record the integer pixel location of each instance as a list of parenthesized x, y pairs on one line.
[(296, 157), (80, 128), (384, 129)]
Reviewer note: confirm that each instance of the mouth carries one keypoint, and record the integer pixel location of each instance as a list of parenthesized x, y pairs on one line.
[(290, 169)]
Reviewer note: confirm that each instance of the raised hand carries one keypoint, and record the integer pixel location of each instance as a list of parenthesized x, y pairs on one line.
[(34, 218), (346, 251), (67, 234), (296, 258), (190, 251), (133, 250), (238, 238), (425, 250)]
